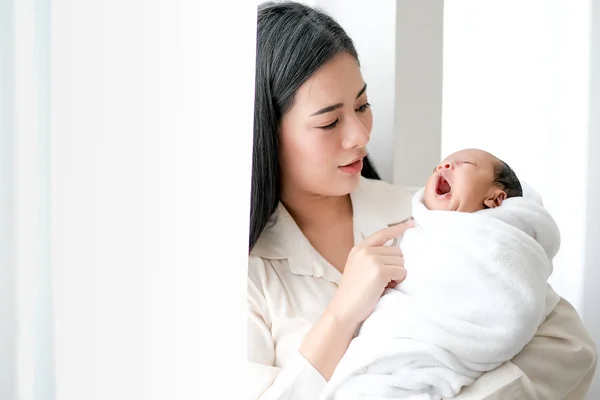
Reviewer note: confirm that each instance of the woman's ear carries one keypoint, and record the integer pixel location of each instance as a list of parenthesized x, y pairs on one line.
[(495, 198)]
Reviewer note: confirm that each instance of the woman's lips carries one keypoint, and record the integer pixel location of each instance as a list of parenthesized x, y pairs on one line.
[(353, 168)]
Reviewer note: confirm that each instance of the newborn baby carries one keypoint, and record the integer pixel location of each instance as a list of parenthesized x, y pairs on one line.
[(478, 262), (470, 180)]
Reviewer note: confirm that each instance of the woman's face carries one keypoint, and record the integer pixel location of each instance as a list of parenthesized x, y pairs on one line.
[(324, 135)]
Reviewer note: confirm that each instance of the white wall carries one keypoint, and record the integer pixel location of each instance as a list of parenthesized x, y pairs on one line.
[(418, 108), (371, 25)]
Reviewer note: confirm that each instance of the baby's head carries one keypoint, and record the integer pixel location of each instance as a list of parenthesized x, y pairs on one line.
[(470, 180)]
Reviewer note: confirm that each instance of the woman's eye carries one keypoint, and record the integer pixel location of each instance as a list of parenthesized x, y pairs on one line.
[(363, 108), (330, 126)]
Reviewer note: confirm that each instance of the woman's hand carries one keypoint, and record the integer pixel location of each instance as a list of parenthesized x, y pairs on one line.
[(370, 268)]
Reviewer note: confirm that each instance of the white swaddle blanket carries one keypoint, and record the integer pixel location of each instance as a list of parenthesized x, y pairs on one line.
[(474, 296)]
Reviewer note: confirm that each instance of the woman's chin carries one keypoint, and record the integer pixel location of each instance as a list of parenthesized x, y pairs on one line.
[(343, 186), (352, 182)]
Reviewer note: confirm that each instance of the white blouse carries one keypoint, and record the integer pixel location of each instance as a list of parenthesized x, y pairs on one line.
[(290, 284)]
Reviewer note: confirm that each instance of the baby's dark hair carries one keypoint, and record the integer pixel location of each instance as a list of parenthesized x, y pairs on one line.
[(506, 179)]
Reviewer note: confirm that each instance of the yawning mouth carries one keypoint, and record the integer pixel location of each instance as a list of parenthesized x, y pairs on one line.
[(442, 187)]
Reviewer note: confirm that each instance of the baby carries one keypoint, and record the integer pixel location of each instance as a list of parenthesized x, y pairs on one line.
[(478, 262), (470, 180)]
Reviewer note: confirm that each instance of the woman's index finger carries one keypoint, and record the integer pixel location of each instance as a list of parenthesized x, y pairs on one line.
[(393, 231)]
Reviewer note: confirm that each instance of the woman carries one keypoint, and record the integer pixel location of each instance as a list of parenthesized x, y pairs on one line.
[(320, 218)]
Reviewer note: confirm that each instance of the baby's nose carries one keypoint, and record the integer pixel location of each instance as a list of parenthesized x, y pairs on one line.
[(444, 165)]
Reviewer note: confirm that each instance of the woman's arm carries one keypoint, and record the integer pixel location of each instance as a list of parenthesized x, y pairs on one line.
[(298, 380), (304, 377), (560, 357), (558, 363), (326, 343)]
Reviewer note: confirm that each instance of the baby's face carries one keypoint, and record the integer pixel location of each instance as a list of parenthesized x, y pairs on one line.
[(462, 182)]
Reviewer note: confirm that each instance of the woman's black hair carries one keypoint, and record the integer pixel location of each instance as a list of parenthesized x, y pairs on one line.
[(293, 41)]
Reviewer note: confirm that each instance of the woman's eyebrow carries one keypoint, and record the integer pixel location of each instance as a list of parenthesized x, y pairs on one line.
[(327, 109), (338, 105), (361, 91)]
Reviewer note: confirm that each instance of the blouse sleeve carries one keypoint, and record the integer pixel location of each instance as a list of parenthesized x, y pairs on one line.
[(558, 363), (298, 380)]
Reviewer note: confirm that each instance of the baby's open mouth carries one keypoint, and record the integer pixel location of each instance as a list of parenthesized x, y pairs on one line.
[(442, 187)]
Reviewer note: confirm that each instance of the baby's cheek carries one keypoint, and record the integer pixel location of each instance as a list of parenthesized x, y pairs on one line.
[(428, 195), (430, 186)]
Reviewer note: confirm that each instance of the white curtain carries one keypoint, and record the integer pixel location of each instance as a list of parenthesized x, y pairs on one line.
[(26, 321), (125, 150), (7, 204)]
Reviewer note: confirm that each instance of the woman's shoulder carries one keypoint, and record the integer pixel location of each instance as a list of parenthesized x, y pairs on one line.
[(263, 270), (256, 269), (256, 278)]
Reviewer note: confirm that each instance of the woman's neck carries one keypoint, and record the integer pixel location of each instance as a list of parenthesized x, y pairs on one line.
[(311, 210)]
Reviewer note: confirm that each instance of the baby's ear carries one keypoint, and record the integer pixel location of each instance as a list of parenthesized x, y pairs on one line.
[(495, 198)]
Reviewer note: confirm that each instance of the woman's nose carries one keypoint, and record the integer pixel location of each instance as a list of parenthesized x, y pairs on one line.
[(356, 136)]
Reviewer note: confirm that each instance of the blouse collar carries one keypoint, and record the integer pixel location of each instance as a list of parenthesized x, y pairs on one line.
[(372, 211)]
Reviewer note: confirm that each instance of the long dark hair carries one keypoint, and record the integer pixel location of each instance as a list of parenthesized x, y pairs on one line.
[(294, 40)]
